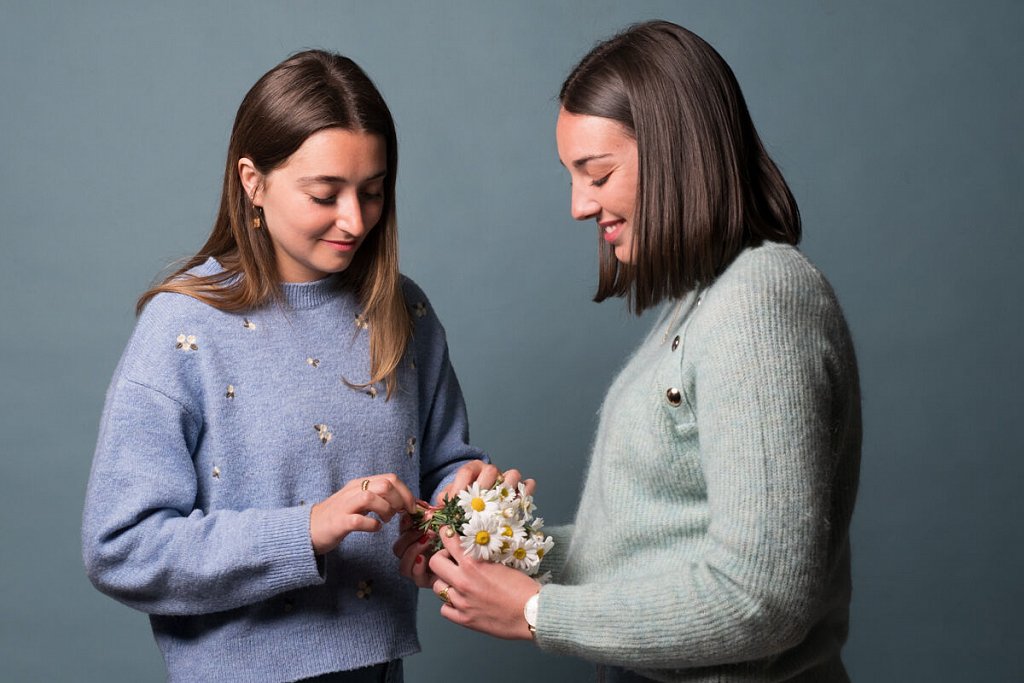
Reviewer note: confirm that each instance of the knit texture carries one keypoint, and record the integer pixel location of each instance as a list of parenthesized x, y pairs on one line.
[(711, 540), (219, 432)]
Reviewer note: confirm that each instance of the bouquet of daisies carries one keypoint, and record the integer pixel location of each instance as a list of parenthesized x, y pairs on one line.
[(495, 524)]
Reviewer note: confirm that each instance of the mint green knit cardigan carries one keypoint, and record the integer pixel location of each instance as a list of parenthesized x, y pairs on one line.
[(711, 542)]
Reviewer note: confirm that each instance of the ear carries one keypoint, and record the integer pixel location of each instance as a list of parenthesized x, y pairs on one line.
[(252, 180)]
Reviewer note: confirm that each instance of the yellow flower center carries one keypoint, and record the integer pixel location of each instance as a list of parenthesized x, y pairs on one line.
[(482, 538), (507, 531), (520, 553), (477, 504), (540, 553), (504, 546)]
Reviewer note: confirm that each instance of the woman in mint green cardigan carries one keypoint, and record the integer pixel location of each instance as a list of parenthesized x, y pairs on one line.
[(711, 542)]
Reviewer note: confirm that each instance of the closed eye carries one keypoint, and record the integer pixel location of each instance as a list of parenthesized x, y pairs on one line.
[(324, 201), (600, 181)]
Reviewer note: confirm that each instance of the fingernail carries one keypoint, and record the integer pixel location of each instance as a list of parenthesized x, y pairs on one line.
[(419, 559), (449, 532), (424, 538)]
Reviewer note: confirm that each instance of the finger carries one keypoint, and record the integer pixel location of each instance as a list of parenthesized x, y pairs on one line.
[(511, 478), (392, 489), (531, 486), (453, 615), (409, 539), (408, 560), (421, 574), (452, 543), (357, 522), (463, 478), (487, 476), (442, 565)]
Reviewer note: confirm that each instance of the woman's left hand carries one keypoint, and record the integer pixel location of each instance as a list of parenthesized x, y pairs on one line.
[(484, 596)]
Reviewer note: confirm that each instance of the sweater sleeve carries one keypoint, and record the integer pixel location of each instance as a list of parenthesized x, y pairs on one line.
[(774, 398), (145, 542), (445, 446)]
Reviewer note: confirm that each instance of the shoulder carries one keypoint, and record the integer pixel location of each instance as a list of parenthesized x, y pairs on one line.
[(769, 293), (420, 308), (770, 278)]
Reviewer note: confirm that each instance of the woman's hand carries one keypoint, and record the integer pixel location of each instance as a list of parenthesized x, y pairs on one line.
[(484, 596), (348, 510), (479, 472), (411, 549)]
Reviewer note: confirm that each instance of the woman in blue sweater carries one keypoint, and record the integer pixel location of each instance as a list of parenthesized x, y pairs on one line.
[(711, 542), (284, 395)]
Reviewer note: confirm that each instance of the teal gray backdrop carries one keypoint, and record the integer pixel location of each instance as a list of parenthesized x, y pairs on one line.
[(898, 125)]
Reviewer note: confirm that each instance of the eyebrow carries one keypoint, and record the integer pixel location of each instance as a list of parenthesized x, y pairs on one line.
[(583, 161), (337, 179)]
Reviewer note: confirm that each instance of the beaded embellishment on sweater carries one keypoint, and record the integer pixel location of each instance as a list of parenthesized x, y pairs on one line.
[(186, 343), (323, 432)]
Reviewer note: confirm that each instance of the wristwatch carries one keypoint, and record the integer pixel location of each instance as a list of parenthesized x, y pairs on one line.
[(530, 613)]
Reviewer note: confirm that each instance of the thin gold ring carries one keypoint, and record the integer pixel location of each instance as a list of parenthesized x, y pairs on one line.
[(366, 484), (443, 594)]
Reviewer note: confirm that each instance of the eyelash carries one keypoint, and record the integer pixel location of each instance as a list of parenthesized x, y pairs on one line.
[(328, 201), (601, 181)]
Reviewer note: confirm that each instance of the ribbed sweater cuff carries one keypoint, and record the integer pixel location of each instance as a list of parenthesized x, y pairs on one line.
[(559, 615), (286, 548)]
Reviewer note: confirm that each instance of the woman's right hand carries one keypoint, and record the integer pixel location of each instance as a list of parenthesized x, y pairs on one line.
[(350, 508)]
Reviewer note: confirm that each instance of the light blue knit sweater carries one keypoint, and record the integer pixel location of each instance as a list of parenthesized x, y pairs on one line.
[(219, 433), (711, 540)]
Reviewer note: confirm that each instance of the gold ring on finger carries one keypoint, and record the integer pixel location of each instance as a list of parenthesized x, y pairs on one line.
[(443, 594), (366, 484)]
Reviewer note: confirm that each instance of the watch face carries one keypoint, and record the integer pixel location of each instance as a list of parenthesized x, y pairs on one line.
[(530, 610)]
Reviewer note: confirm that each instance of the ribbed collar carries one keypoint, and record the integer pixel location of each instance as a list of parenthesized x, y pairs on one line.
[(298, 295)]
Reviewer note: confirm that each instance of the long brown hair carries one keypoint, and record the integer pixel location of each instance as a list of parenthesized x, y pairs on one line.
[(306, 93), (706, 188)]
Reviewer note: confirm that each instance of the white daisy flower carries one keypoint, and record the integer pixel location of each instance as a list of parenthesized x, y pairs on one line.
[(522, 555), (476, 501), (505, 492), (480, 537), (543, 546)]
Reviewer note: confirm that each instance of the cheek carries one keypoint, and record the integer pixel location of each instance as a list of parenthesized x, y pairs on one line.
[(372, 213)]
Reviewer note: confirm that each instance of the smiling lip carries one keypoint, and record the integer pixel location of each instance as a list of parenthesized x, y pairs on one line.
[(340, 246), (610, 230)]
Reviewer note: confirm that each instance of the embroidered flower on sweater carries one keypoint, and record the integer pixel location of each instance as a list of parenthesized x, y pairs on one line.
[(410, 446), (313, 362), (419, 309), (323, 433), (364, 589), (230, 393), (361, 322), (186, 343), (248, 324)]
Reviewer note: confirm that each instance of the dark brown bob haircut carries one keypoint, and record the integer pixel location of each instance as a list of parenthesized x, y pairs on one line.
[(707, 188), (309, 92)]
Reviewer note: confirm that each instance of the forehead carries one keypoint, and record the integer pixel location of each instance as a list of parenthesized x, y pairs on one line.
[(581, 135), (336, 151)]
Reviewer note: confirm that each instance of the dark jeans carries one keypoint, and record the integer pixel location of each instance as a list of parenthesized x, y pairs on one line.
[(388, 672)]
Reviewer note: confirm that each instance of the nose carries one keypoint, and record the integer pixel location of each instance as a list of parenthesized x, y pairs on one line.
[(349, 218), (583, 206)]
